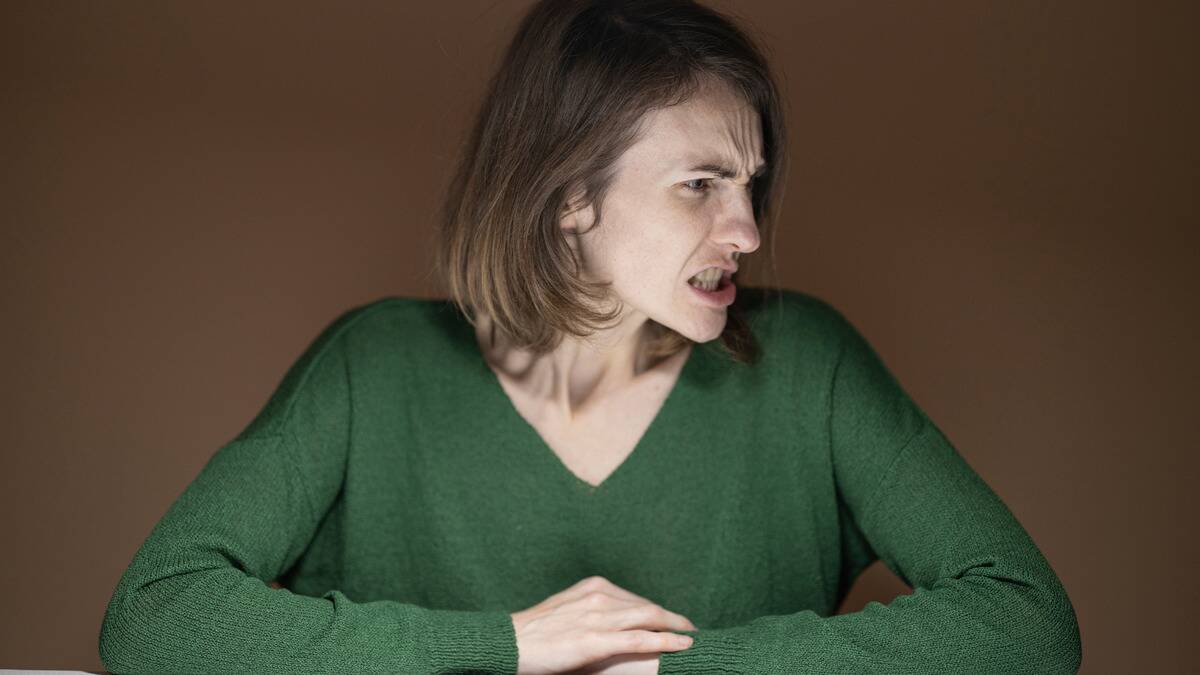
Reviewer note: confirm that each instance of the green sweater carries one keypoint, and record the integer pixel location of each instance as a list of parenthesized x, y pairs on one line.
[(407, 508)]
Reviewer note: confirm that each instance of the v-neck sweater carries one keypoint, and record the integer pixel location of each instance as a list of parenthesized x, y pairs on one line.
[(407, 509)]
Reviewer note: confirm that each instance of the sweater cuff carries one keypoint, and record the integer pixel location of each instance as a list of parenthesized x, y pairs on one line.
[(713, 651), (472, 640)]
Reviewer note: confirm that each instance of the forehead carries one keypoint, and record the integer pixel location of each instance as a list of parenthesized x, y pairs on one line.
[(716, 124)]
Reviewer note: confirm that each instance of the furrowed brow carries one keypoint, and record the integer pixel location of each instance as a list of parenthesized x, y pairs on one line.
[(724, 171)]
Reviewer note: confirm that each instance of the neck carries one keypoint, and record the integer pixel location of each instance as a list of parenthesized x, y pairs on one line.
[(580, 371)]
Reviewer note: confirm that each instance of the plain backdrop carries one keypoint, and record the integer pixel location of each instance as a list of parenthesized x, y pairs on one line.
[(1001, 195)]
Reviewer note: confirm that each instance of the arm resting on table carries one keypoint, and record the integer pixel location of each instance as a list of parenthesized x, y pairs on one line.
[(985, 598), (196, 598)]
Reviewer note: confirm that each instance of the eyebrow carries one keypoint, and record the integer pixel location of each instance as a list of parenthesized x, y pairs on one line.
[(724, 171)]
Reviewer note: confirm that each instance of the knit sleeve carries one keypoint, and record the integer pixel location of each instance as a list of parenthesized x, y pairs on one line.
[(984, 598), (196, 597)]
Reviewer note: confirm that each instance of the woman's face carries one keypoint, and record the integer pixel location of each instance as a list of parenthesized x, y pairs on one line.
[(667, 217)]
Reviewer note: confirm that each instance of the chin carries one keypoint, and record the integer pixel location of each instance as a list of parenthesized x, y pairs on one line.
[(702, 331), (709, 337)]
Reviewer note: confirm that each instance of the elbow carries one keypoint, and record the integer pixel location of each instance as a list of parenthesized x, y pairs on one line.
[(1039, 627), (119, 651), (1050, 631), (1045, 622), (1063, 624), (112, 652), (127, 638)]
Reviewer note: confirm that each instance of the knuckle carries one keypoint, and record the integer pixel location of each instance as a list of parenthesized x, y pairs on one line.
[(594, 599), (636, 640), (647, 612)]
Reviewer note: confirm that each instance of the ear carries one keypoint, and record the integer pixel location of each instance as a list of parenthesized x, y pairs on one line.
[(576, 215)]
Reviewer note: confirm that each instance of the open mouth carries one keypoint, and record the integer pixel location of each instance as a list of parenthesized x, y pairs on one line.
[(719, 290), (710, 280), (722, 282)]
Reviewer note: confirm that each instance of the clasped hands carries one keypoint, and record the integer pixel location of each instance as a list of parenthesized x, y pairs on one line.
[(596, 628)]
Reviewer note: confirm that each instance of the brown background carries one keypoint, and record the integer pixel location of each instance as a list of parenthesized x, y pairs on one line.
[(1000, 194)]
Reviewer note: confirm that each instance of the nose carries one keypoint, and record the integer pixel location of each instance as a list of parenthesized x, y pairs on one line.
[(737, 225)]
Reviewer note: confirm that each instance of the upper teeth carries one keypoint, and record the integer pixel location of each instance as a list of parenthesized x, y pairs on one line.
[(708, 278)]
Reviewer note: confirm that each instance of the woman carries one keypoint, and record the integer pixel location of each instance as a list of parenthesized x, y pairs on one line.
[(598, 454)]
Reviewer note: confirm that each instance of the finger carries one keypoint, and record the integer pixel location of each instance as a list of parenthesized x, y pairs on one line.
[(688, 625), (654, 615), (600, 589), (610, 588), (604, 600), (650, 617), (644, 641)]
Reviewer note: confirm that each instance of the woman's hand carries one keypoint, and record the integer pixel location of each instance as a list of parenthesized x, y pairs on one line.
[(591, 621), (622, 664)]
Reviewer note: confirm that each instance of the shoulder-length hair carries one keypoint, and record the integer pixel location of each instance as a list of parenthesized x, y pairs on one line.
[(566, 102)]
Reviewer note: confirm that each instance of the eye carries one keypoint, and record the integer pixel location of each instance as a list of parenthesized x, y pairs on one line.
[(703, 187)]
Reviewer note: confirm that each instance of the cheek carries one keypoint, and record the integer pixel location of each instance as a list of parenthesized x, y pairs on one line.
[(653, 264), (650, 245)]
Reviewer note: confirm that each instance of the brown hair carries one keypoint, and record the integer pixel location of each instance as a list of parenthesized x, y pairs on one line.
[(564, 105)]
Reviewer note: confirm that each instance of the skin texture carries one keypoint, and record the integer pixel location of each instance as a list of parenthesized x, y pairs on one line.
[(623, 664), (663, 222), (595, 626)]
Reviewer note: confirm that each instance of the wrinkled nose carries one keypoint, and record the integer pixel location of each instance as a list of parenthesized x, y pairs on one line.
[(739, 228)]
